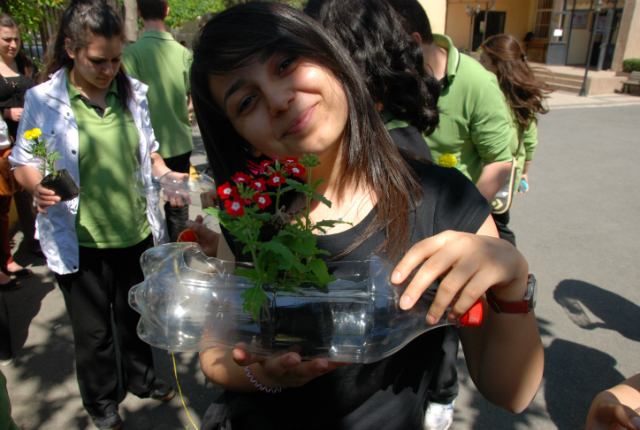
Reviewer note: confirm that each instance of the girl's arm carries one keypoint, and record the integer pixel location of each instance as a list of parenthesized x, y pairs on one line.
[(504, 354), (617, 405)]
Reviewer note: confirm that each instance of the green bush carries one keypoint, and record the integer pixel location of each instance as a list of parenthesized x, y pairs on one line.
[(631, 65)]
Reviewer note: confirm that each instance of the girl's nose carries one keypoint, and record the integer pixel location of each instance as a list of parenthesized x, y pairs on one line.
[(279, 98), (109, 69)]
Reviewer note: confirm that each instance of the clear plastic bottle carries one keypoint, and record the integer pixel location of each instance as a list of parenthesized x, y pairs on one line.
[(182, 191), (190, 302)]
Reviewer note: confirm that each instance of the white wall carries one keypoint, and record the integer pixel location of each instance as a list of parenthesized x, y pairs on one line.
[(578, 47)]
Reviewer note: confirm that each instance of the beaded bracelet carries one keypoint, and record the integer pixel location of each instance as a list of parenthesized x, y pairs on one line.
[(259, 386), (162, 177)]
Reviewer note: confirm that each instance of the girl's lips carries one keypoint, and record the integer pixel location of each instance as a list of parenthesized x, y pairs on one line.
[(300, 122)]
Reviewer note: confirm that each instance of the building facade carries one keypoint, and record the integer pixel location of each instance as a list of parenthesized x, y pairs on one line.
[(555, 32)]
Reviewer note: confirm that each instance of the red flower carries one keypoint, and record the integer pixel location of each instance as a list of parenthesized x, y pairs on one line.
[(275, 157), (297, 170), (240, 178), (263, 200), (235, 206), (275, 179), (258, 184), (291, 160), (225, 191)]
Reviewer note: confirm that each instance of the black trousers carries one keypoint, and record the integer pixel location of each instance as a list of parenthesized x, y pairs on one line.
[(6, 352), (443, 387), (503, 231), (101, 285), (175, 216)]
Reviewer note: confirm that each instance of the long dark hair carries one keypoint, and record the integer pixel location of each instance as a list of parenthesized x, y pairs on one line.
[(81, 21), (251, 31), (524, 92), (25, 65), (391, 62)]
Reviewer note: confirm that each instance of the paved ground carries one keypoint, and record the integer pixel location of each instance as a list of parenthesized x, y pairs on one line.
[(577, 227)]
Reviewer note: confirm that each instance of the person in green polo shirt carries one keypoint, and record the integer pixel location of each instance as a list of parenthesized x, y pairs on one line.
[(475, 128), (97, 119), (163, 64)]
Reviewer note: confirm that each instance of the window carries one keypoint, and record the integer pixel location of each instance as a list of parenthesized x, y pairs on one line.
[(543, 18)]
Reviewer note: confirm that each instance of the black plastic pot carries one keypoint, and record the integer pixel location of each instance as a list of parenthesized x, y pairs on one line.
[(62, 183), (294, 324)]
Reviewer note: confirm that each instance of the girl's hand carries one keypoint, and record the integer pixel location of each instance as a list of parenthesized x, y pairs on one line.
[(209, 199), (207, 239), (608, 413), (13, 114), (287, 370), (176, 197), (44, 198), (469, 264)]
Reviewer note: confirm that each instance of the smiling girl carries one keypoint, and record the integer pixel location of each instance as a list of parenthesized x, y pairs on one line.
[(269, 82), (97, 118)]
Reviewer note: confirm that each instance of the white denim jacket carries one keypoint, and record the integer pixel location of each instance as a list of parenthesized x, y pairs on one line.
[(47, 107)]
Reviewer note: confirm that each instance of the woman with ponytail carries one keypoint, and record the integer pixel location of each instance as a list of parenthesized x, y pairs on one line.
[(525, 94), (97, 118)]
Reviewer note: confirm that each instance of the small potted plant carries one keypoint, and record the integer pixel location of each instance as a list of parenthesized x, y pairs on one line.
[(283, 246), (59, 181)]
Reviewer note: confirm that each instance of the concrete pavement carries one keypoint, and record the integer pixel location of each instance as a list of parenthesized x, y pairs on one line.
[(577, 227)]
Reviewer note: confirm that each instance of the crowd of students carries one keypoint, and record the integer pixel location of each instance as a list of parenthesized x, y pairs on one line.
[(415, 141)]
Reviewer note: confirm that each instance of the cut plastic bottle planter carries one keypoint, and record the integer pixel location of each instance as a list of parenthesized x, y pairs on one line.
[(190, 302)]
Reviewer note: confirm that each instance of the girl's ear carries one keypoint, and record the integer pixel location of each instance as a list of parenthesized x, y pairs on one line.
[(67, 47), (255, 152)]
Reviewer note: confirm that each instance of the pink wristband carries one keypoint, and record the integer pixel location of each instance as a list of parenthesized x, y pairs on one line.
[(259, 386)]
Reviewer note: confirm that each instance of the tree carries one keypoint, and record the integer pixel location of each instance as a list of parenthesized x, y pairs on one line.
[(35, 18)]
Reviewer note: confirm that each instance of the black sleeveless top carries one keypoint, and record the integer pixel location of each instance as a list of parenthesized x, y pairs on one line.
[(12, 91)]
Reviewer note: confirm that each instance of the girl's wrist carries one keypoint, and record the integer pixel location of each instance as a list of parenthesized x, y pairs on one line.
[(159, 180), (257, 383)]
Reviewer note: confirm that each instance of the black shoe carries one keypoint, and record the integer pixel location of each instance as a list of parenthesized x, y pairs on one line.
[(110, 421), (11, 285), (22, 273), (163, 394)]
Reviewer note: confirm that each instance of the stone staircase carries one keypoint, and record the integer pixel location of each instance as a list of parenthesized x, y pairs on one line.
[(561, 81)]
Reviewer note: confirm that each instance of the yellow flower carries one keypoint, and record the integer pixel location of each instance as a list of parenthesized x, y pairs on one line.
[(32, 134), (447, 160)]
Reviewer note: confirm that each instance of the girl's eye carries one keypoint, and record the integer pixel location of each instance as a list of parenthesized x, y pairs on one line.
[(244, 104), (285, 64)]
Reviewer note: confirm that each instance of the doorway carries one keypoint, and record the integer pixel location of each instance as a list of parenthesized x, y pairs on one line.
[(559, 38), (495, 25)]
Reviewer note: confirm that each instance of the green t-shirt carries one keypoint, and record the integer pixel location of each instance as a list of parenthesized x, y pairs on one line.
[(110, 213), (474, 122), (163, 64)]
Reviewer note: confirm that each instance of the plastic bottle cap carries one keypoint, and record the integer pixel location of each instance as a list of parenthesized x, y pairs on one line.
[(187, 236), (473, 317)]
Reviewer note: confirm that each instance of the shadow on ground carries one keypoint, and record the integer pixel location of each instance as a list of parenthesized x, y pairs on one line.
[(616, 312)]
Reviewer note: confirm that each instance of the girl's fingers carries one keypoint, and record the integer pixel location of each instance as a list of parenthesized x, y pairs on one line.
[(453, 289), (472, 292), (442, 260), (416, 256), (245, 358), (280, 365)]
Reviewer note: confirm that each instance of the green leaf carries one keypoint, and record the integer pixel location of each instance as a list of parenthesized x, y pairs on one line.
[(321, 198), (283, 251), (302, 188), (254, 299), (319, 268)]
